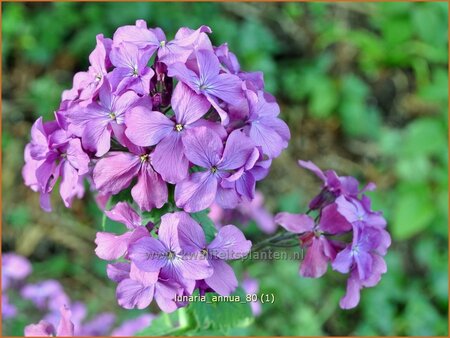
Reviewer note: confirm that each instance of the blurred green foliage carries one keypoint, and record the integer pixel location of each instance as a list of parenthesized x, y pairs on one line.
[(364, 89)]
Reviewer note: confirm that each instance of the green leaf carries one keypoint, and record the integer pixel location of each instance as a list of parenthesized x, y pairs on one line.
[(216, 313), (207, 224), (425, 136), (324, 97), (358, 118), (163, 325), (413, 211), (155, 215)]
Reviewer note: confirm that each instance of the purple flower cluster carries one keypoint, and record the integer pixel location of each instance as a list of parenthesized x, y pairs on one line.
[(149, 113), (15, 269), (69, 318), (173, 264), (62, 316), (341, 209)]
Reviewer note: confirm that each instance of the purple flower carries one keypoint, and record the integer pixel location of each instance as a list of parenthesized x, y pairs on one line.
[(341, 209), (355, 284), (87, 84), (45, 329), (251, 287), (116, 170), (253, 80), (96, 122), (244, 180), (14, 268), (185, 42), (51, 154), (320, 249), (125, 116), (264, 127), (204, 148), (166, 256), (131, 70), (367, 241), (229, 244), (209, 81), (148, 128), (111, 246), (8, 309), (177, 50), (227, 58), (138, 289), (140, 36), (100, 325), (48, 294), (363, 260), (363, 257), (333, 186), (356, 211)]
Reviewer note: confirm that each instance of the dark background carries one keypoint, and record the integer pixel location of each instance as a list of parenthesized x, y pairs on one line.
[(364, 90)]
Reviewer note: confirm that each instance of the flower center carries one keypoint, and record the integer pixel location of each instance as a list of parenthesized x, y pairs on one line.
[(162, 43), (204, 252), (112, 116), (135, 71), (214, 169), (144, 157), (178, 127), (171, 255)]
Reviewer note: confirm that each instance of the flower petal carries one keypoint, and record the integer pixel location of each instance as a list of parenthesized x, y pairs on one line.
[(114, 172), (132, 294), (226, 87), (223, 280), (168, 231), (187, 105), (143, 277), (165, 293), (150, 190), (117, 272), (296, 223), (315, 263), (111, 246), (65, 326), (227, 198), (230, 243), (146, 127), (123, 212), (352, 295), (237, 151), (148, 253), (343, 260), (202, 147), (41, 329), (197, 192), (190, 234), (193, 268), (312, 167), (168, 159), (332, 222)]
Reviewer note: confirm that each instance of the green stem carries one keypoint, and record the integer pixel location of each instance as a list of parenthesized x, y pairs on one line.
[(272, 241)]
